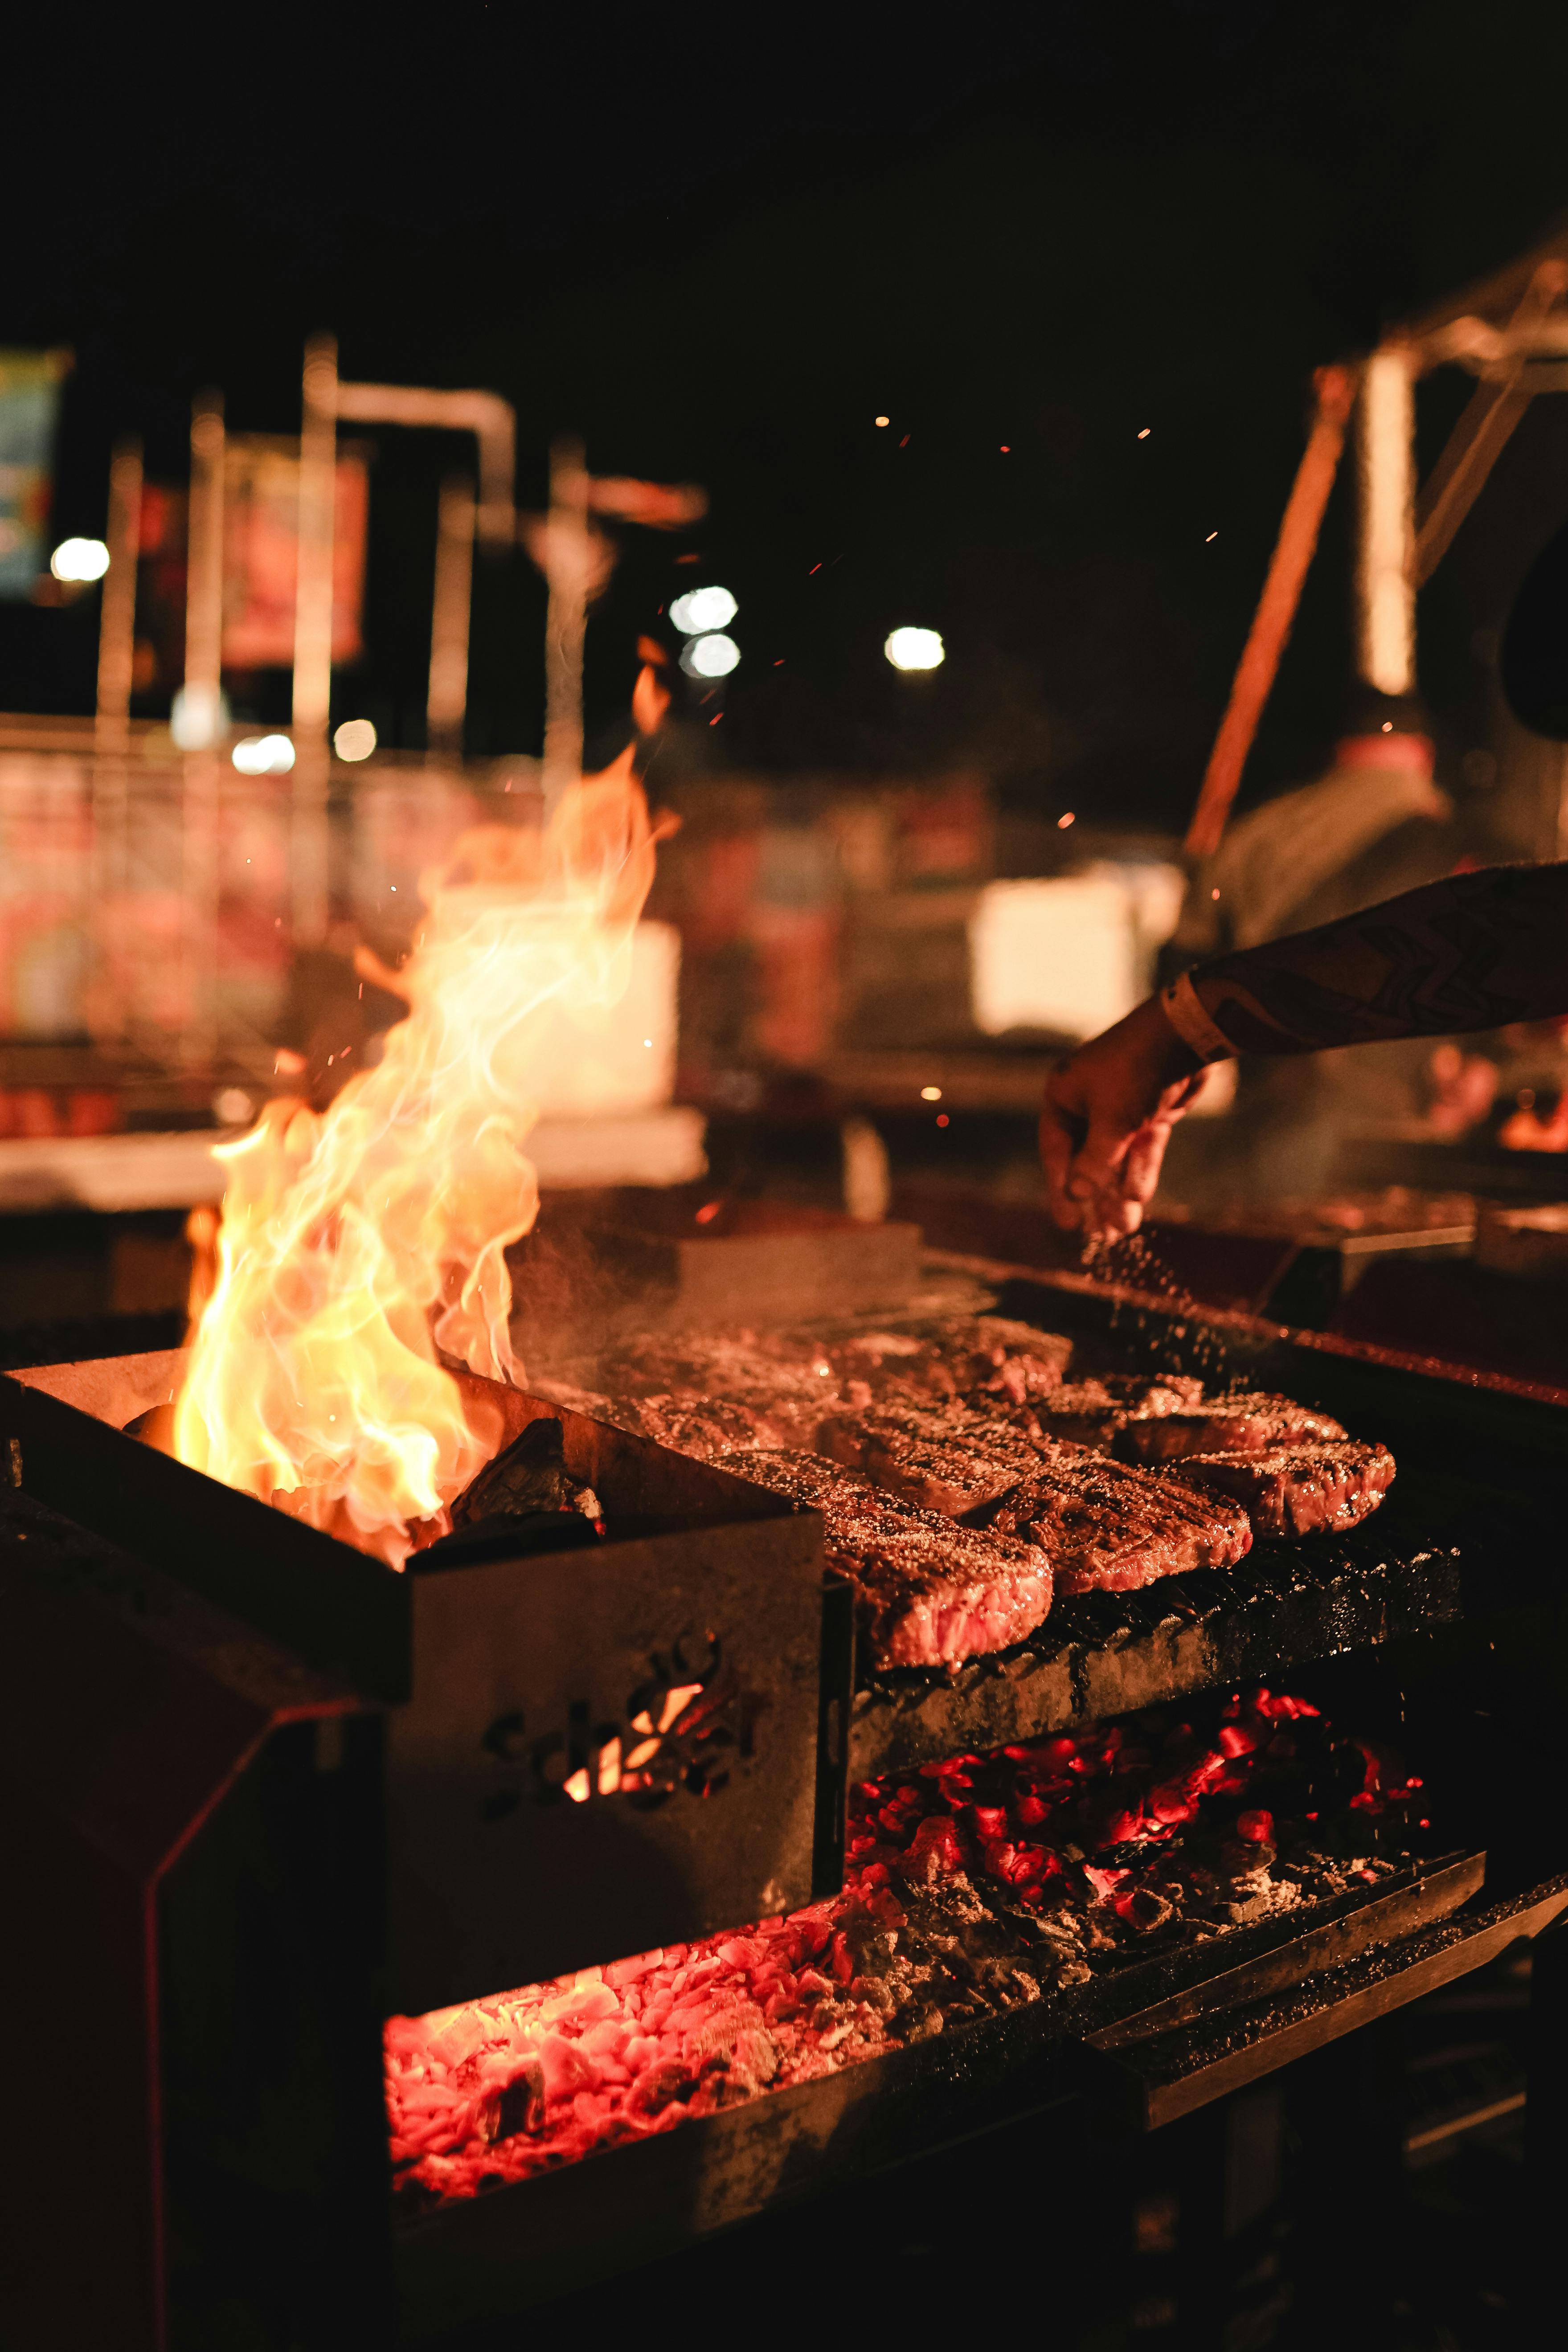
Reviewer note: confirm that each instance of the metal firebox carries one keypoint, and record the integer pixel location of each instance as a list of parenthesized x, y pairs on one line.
[(497, 1690)]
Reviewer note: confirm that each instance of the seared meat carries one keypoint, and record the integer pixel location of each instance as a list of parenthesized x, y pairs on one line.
[(1233, 1424), (949, 1358), (1297, 1490), (1010, 1359), (928, 1593), (1095, 1411), (950, 1460), (739, 1370), (1107, 1526), (689, 1423)]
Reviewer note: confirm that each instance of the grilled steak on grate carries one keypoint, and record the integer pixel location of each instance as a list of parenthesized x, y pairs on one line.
[(949, 1459), (928, 1593), (938, 1359), (1109, 1528), (1095, 1411), (1232, 1424), (1297, 1490)]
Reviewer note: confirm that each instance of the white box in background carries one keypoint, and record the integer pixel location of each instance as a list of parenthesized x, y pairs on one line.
[(1070, 953), (604, 1061)]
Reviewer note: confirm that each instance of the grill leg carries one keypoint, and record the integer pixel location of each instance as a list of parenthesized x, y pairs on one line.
[(1546, 2118)]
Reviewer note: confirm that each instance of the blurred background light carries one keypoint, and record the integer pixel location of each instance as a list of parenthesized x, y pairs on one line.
[(709, 656), (80, 559), (355, 739), (197, 717), (915, 649), (704, 608), (263, 755)]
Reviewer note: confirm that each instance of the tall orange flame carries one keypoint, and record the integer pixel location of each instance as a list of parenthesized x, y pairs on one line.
[(358, 1243)]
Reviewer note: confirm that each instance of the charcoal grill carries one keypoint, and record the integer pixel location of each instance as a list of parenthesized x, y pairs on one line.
[(261, 1803)]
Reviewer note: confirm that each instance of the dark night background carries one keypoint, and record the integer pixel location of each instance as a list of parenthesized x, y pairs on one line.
[(719, 244)]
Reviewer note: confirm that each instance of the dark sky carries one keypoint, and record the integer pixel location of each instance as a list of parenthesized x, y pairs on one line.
[(721, 245)]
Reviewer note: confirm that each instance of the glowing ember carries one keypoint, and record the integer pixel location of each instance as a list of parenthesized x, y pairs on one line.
[(975, 1885), (360, 1245)]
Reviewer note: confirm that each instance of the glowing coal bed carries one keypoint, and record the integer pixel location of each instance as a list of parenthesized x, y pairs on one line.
[(975, 1885)]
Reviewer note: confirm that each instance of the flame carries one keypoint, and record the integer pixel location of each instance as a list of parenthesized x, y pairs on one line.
[(361, 1243)]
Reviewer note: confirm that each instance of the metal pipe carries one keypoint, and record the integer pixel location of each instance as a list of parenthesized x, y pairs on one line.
[(568, 558), (314, 589), (490, 419), (1385, 569), (448, 695), (116, 613), (204, 575)]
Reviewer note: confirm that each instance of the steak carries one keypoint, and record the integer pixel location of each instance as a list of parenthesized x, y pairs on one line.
[(1297, 1490), (1010, 1359), (950, 1460), (1109, 1528), (927, 1593), (1094, 1412), (738, 1368), (689, 1423), (1232, 1424), (948, 1358)]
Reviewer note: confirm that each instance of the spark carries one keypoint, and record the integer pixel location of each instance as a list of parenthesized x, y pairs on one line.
[(930, 1094), (1144, 435), (1070, 817), (942, 1118), (1213, 894), (882, 420), (1214, 534)]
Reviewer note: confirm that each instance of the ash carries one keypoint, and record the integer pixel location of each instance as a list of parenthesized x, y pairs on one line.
[(976, 1887)]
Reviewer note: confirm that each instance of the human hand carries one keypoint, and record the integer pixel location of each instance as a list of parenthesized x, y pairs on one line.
[(1107, 1118)]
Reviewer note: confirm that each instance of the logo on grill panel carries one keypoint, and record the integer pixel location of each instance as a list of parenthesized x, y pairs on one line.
[(681, 1726)]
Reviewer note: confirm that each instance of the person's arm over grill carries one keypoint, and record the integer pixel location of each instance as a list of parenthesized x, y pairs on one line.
[(1472, 951)]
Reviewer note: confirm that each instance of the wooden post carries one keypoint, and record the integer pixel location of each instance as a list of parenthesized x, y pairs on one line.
[(567, 560), (116, 613), (1480, 437), (1386, 564), (449, 693), (1271, 623)]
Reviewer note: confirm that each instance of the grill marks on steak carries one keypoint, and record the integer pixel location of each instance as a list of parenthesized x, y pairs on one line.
[(1297, 1490), (952, 1461), (1232, 1424), (1107, 1526), (927, 1593)]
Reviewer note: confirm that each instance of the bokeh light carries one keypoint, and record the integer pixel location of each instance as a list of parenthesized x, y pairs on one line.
[(355, 739), (703, 608), (80, 559), (915, 649), (709, 656), (263, 755)]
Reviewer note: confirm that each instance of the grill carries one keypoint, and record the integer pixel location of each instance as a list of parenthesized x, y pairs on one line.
[(268, 1793)]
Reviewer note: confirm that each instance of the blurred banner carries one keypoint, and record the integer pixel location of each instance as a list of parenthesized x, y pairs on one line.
[(261, 502), (261, 511), (29, 399)]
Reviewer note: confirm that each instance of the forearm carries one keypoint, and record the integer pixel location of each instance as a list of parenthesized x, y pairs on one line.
[(1472, 951)]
